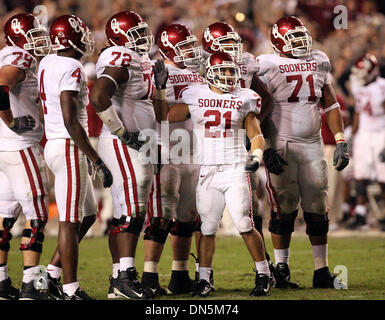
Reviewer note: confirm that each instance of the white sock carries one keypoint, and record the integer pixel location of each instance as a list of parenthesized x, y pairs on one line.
[(127, 262), (282, 255), (180, 265), (320, 255), (204, 273), (4, 273), (360, 209), (262, 267), (150, 266), (30, 274), (70, 288), (115, 270), (54, 271)]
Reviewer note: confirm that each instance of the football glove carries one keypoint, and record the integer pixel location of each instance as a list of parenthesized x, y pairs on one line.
[(382, 156), (273, 161), (341, 156), (252, 163), (104, 173), (23, 124), (131, 139), (160, 75)]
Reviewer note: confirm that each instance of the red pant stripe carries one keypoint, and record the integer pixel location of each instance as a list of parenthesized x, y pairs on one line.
[(133, 177), (69, 180)]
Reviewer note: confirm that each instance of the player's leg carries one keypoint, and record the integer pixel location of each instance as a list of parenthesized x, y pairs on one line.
[(283, 195), (239, 201), (69, 166), (210, 202), (160, 214), (26, 174), (313, 182), (181, 233), (9, 212), (54, 268)]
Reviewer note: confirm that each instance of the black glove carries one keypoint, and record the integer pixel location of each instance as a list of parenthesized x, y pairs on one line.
[(382, 155), (252, 164), (160, 74), (23, 124), (131, 139), (341, 156), (273, 161), (104, 173)]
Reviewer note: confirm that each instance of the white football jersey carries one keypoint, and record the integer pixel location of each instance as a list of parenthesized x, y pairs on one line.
[(57, 74), (369, 102), (178, 80), (295, 85), (132, 100), (218, 122), (23, 100)]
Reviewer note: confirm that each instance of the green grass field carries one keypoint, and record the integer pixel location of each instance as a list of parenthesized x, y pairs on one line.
[(364, 258)]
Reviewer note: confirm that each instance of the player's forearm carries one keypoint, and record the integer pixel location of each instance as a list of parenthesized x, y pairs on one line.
[(161, 106), (6, 116), (336, 124), (80, 137), (5, 106)]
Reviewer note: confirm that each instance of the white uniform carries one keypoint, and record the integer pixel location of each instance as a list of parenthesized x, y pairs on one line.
[(218, 125), (132, 101), (294, 130), (63, 157), (248, 67), (174, 187), (22, 177), (369, 140)]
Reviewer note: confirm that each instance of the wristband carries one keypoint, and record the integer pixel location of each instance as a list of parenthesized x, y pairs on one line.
[(260, 135), (111, 120), (4, 98), (258, 153), (339, 137), (160, 94)]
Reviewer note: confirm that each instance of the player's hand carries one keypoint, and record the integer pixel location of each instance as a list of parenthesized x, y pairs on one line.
[(23, 124), (160, 74), (382, 155), (252, 164), (104, 173), (341, 156), (273, 161), (132, 140)]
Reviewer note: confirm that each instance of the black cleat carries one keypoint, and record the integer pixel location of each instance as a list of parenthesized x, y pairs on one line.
[(150, 283), (262, 285), (202, 288), (282, 277), (28, 292), (129, 287), (180, 282), (55, 288), (111, 294), (7, 291), (322, 278), (79, 294)]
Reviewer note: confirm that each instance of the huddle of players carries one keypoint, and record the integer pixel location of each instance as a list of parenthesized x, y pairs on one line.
[(285, 91)]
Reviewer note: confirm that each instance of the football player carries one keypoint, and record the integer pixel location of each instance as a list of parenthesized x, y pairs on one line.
[(368, 90), (22, 177), (64, 95), (298, 79), (173, 194), (220, 111), (221, 37), (124, 89)]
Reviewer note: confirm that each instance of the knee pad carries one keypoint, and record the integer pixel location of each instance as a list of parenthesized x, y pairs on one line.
[(282, 223), (316, 224), (257, 219), (361, 188), (34, 234), (5, 235), (244, 225), (129, 225), (183, 229), (209, 229), (156, 231)]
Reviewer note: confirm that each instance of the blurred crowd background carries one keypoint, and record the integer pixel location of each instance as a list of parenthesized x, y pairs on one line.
[(253, 19)]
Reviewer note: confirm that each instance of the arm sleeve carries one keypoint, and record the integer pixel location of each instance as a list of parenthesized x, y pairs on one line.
[(72, 79), (18, 58)]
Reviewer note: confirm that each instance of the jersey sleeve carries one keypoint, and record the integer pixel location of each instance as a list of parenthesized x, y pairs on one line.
[(72, 78), (252, 102), (252, 63), (263, 69), (17, 57), (324, 65), (118, 57)]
